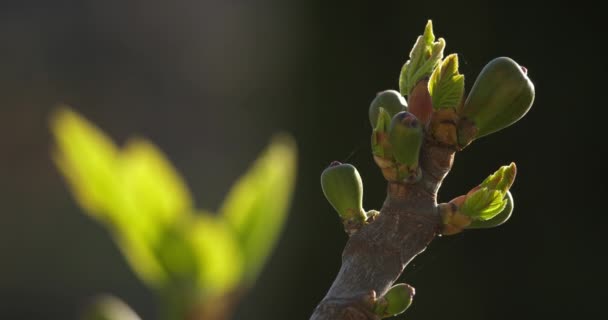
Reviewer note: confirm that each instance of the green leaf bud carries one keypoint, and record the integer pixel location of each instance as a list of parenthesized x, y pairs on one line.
[(502, 94), (390, 100), (405, 136), (395, 301), (343, 188), (498, 219)]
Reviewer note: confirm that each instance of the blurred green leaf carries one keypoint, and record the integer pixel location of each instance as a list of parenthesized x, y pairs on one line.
[(135, 192), (154, 192), (138, 195), (87, 158), (217, 252), (108, 307), (256, 206)]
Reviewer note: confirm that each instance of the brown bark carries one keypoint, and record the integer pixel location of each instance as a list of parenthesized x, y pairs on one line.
[(376, 255)]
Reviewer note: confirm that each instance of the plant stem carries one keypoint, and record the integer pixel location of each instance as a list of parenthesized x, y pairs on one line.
[(376, 255)]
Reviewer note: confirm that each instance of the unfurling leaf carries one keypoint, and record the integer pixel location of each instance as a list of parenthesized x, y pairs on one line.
[(390, 100), (489, 199), (502, 179), (424, 57), (256, 206), (498, 219), (484, 204), (446, 84)]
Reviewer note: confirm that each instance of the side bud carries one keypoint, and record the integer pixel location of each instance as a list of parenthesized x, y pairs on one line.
[(395, 301), (502, 94), (498, 219), (487, 200), (390, 100), (343, 188), (406, 136)]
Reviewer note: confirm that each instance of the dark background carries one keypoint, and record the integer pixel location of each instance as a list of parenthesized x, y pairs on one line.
[(211, 81)]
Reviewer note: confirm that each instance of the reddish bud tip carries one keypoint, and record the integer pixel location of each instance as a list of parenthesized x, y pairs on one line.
[(420, 103), (334, 164)]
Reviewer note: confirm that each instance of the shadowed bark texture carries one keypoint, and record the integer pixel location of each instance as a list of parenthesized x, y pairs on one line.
[(376, 255)]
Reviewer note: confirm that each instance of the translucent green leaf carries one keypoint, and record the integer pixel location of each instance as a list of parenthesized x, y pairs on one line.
[(498, 219), (446, 84), (502, 179), (88, 160), (424, 57), (109, 308), (217, 251), (135, 193), (153, 189), (256, 207), (484, 204), (139, 252)]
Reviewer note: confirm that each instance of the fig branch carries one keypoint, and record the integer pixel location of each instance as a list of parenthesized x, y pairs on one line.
[(413, 142)]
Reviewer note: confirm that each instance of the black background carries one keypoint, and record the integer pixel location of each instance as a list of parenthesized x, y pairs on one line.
[(211, 81)]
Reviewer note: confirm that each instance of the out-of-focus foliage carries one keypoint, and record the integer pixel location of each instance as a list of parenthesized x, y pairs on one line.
[(109, 308), (137, 194), (255, 207)]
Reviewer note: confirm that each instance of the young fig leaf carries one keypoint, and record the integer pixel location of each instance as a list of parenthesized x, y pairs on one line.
[(446, 85), (502, 179), (483, 204), (424, 57)]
